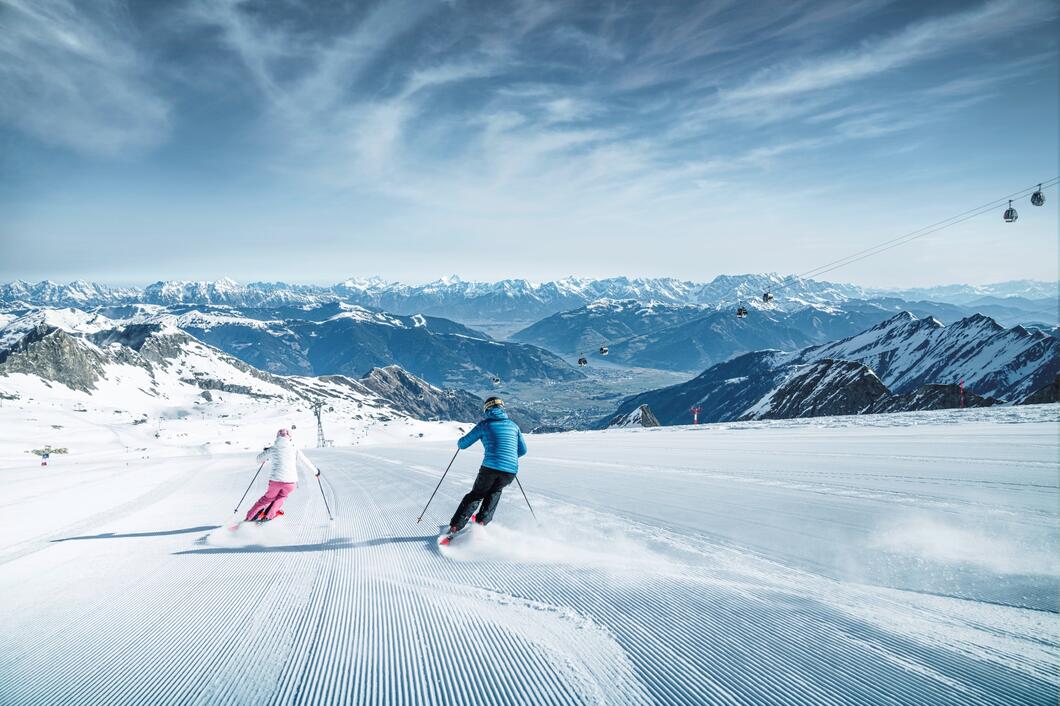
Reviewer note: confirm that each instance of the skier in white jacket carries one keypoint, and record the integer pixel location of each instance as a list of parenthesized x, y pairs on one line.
[(286, 460)]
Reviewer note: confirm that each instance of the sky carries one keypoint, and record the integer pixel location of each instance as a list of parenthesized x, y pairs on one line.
[(315, 141)]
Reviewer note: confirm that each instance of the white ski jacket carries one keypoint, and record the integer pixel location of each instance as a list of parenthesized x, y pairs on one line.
[(286, 461)]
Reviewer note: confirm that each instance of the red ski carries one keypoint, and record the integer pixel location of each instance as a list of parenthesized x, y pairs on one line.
[(448, 537), (258, 519)]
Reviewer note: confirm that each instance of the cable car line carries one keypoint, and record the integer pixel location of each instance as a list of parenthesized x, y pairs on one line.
[(1037, 198), (945, 223), (883, 247)]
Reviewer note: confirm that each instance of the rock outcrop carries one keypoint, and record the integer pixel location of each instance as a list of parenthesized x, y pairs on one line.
[(56, 356), (825, 388), (417, 398), (1045, 394), (927, 397), (640, 417)]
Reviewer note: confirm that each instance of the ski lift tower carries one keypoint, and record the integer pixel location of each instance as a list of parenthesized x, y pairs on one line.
[(318, 407)]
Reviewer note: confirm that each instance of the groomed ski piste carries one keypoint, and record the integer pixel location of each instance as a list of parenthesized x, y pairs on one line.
[(906, 559)]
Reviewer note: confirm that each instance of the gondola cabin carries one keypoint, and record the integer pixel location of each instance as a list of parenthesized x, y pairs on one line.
[(1038, 198), (1010, 214)]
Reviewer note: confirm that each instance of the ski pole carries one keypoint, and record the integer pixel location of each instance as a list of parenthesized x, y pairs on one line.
[(437, 486), (321, 486), (248, 488), (526, 499)]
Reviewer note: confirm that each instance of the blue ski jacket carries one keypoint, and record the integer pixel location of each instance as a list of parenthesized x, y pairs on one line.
[(500, 437)]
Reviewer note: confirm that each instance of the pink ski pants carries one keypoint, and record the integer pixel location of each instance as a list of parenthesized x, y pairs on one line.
[(273, 499)]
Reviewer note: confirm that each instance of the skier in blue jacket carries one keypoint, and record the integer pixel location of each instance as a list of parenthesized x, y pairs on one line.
[(503, 444)]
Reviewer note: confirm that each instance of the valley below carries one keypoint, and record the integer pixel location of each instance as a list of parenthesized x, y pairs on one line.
[(578, 404)]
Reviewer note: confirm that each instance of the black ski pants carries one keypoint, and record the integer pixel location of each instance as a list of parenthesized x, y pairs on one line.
[(486, 490)]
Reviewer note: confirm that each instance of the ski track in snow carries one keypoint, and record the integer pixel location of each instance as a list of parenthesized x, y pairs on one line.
[(740, 573)]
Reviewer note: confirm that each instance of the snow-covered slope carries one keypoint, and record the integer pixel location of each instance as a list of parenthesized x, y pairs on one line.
[(860, 560), (68, 319)]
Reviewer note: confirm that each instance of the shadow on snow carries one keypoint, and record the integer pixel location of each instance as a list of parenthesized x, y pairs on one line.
[(159, 533), (330, 545)]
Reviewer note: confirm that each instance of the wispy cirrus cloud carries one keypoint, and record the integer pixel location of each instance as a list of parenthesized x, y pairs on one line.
[(558, 126), (917, 42), (399, 85), (71, 74)]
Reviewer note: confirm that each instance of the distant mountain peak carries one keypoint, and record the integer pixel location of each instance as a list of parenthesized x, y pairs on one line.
[(900, 364)]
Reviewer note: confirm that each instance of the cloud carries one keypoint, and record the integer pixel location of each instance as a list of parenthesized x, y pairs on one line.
[(530, 108), (917, 42), (534, 112), (443, 74), (319, 116), (595, 45), (71, 75), (567, 109)]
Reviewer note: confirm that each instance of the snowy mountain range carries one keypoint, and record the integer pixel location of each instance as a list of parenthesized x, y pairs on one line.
[(507, 300), (970, 293), (344, 339), (138, 365), (888, 367), (907, 352), (605, 322), (693, 337), (512, 299), (310, 332)]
